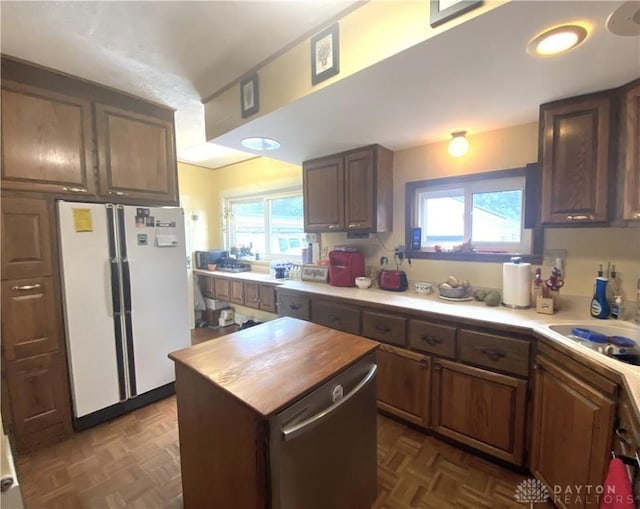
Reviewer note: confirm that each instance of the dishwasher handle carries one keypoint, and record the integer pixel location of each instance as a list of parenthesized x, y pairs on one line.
[(298, 429)]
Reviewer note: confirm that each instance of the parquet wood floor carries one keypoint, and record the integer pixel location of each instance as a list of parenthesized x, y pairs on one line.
[(133, 461)]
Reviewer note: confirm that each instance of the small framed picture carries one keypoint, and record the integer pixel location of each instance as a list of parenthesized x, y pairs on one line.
[(317, 273), (325, 54), (249, 103), (445, 10)]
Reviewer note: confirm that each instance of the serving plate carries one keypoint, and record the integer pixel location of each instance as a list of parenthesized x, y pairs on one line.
[(454, 299)]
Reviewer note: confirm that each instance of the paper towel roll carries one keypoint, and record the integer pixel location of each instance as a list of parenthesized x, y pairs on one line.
[(516, 285)]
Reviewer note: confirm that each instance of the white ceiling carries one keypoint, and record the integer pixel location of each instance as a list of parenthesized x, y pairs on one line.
[(475, 77)]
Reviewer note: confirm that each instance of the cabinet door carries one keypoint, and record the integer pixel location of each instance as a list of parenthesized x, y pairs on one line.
[(631, 206), (482, 409), (136, 156), (252, 295), (323, 190), (268, 298), (403, 384), (38, 398), (575, 154), (572, 429), (359, 191), (236, 291), (26, 238), (29, 321), (207, 285), (46, 141), (222, 289)]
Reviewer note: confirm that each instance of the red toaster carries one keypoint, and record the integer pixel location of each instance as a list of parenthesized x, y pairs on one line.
[(393, 280), (345, 267)]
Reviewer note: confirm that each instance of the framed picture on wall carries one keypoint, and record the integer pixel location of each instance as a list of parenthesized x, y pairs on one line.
[(442, 11), (249, 103), (325, 54)]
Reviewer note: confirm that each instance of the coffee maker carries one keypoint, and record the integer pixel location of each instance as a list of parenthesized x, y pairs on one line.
[(345, 265)]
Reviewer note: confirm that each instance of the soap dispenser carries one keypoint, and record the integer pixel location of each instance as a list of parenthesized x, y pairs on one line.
[(599, 304)]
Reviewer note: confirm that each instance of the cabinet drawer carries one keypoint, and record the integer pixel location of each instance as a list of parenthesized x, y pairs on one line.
[(336, 316), (295, 306), (383, 327), (495, 352), (432, 338)]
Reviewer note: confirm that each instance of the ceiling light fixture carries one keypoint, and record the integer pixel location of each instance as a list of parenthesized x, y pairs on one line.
[(260, 143), (557, 40), (458, 145)]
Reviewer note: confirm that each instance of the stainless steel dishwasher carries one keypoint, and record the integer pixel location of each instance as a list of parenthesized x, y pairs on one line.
[(323, 447)]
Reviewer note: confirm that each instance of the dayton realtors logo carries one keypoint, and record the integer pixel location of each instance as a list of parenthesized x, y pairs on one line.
[(533, 491)]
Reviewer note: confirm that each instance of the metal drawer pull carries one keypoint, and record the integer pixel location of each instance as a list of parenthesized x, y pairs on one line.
[(636, 215), (26, 287), (579, 217), (118, 193), (383, 328), (354, 225), (333, 226), (74, 189), (295, 307), (494, 355), (431, 341)]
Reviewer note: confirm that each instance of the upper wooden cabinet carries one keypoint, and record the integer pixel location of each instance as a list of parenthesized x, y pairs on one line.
[(64, 135), (26, 237), (350, 191), (46, 141), (631, 151), (136, 155), (575, 151)]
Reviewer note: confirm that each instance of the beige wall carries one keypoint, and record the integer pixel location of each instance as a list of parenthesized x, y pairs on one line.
[(196, 198), (504, 148)]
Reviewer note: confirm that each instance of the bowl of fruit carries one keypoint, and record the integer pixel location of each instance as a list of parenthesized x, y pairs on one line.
[(453, 288)]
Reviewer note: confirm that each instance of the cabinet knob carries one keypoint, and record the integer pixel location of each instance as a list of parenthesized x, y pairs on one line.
[(437, 367), (423, 363), (621, 433), (74, 189), (579, 217), (118, 193), (25, 287)]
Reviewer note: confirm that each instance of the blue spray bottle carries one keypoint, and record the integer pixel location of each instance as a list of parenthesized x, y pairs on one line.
[(599, 304)]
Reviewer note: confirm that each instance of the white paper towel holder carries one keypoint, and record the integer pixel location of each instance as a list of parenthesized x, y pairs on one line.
[(517, 261)]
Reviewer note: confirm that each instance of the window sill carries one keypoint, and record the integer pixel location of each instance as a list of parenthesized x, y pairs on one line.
[(466, 256)]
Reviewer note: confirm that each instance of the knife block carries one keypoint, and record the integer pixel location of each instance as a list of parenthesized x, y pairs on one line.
[(544, 305)]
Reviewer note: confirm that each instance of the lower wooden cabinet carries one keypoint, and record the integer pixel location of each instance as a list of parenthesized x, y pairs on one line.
[(260, 296), (38, 399), (572, 429), (403, 384), (222, 289), (479, 408), (293, 304), (236, 292), (336, 315), (207, 285)]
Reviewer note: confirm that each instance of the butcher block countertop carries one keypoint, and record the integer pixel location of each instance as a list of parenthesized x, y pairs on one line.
[(269, 366)]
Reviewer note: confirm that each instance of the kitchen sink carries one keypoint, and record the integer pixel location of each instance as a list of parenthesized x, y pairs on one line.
[(605, 338)]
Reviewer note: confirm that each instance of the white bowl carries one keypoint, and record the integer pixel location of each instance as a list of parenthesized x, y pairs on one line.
[(363, 282), (424, 288)]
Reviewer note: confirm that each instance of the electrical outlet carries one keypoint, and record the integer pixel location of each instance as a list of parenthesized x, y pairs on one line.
[(555, 257)]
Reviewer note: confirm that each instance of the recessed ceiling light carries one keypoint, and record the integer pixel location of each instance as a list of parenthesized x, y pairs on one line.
[(557, 40), (259, 143)]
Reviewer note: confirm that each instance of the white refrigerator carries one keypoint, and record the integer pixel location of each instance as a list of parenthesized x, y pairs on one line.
[(124, 278)]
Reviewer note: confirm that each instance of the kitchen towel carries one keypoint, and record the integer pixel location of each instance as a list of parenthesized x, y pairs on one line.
[(516, 285), (617, 493)]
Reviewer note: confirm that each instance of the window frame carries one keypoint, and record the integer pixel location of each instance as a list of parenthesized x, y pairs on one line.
[(531, 173), (264, 196)]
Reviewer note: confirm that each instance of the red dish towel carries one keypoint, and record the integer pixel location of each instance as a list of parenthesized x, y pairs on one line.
[(618, 493)]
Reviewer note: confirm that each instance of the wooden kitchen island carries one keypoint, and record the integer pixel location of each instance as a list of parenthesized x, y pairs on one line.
[(237, 394)]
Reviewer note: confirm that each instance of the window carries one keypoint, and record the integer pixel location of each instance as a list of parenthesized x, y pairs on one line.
[(486, 210), (268, 225)]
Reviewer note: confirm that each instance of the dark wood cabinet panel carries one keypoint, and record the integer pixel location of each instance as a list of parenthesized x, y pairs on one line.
[(29, 321), (26, 237), (268, 298), (482, 409), (207, 285), (432, 338), (252, 295), (384, 327), (572, 429), (222, 288), (323, 193), (293, 304), (495, 352), (403, 384), (260, 296), (136, 156), (631, 190), (575, 150), (46, 141), (350, 191), (236, 292), (336, 315), (38, 399)]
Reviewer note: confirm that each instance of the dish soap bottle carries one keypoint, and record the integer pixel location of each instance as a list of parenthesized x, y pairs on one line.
[(599, 305)]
